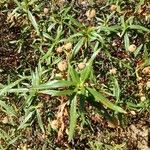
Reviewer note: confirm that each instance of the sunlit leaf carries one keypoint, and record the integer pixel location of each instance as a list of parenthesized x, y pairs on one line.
[(40, 122), (73, 117), (33, 21), (8, 109), (56, 84), (100, 98), (57, 93)]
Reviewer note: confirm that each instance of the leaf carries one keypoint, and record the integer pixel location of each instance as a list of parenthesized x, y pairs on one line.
[(138, 50), (138, 27), (100, 98), (4, 135), (73, 117), (18, 3), (8, 87), (9, 110), (126, 41), (73, 74), (40, 120), (116, 89), (19, 90), (98, 37), (75, 22), (46, 35), (85, 74), (33, 21), (78, 46), (56, 84), (108, 29), (23, 124), (13, 140), (57, 93)]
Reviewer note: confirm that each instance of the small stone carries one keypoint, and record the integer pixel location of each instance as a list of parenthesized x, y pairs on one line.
[(113, 71), (81, 66), (143, 98), (58, 75), (5, 120), (113, 7), (59, 49), (68, 46), (46, 10), (146, 70), (133, 112), (148, 84), (62, 65), (91, 14), (132, 48), (24, 147)]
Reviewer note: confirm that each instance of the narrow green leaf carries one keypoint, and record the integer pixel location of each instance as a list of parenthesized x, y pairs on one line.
[(56, 84), (73, 117), (18, 90), (46, 35), (8, 87), (98, 37), (85, 74), (40, 122), (138, 50), (116, 89), (57, 93), (13, 140), (100, 98), (138, 27), (33, 21), (23, 124), (126, 41), (9, 110), (18, 3), (108, 29), (74, 75), (78, 46), (75, 22), (4, 135)]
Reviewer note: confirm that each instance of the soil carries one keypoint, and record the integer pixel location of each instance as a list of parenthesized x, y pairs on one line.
[(136, 132)]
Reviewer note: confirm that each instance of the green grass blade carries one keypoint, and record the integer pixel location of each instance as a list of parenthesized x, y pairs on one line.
[(23, 123), (138, 50), (73, 117), (85, 74), (78, 46), (73, 74), (8, 109), (138, 27), (116, 89), (100, 98), (57, 93), (56, 84), (19, 90), (40, 122), (6, 88), (33, 21), (126, 41)]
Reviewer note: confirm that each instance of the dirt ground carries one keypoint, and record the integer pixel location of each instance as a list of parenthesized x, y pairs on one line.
[(136, 132)]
